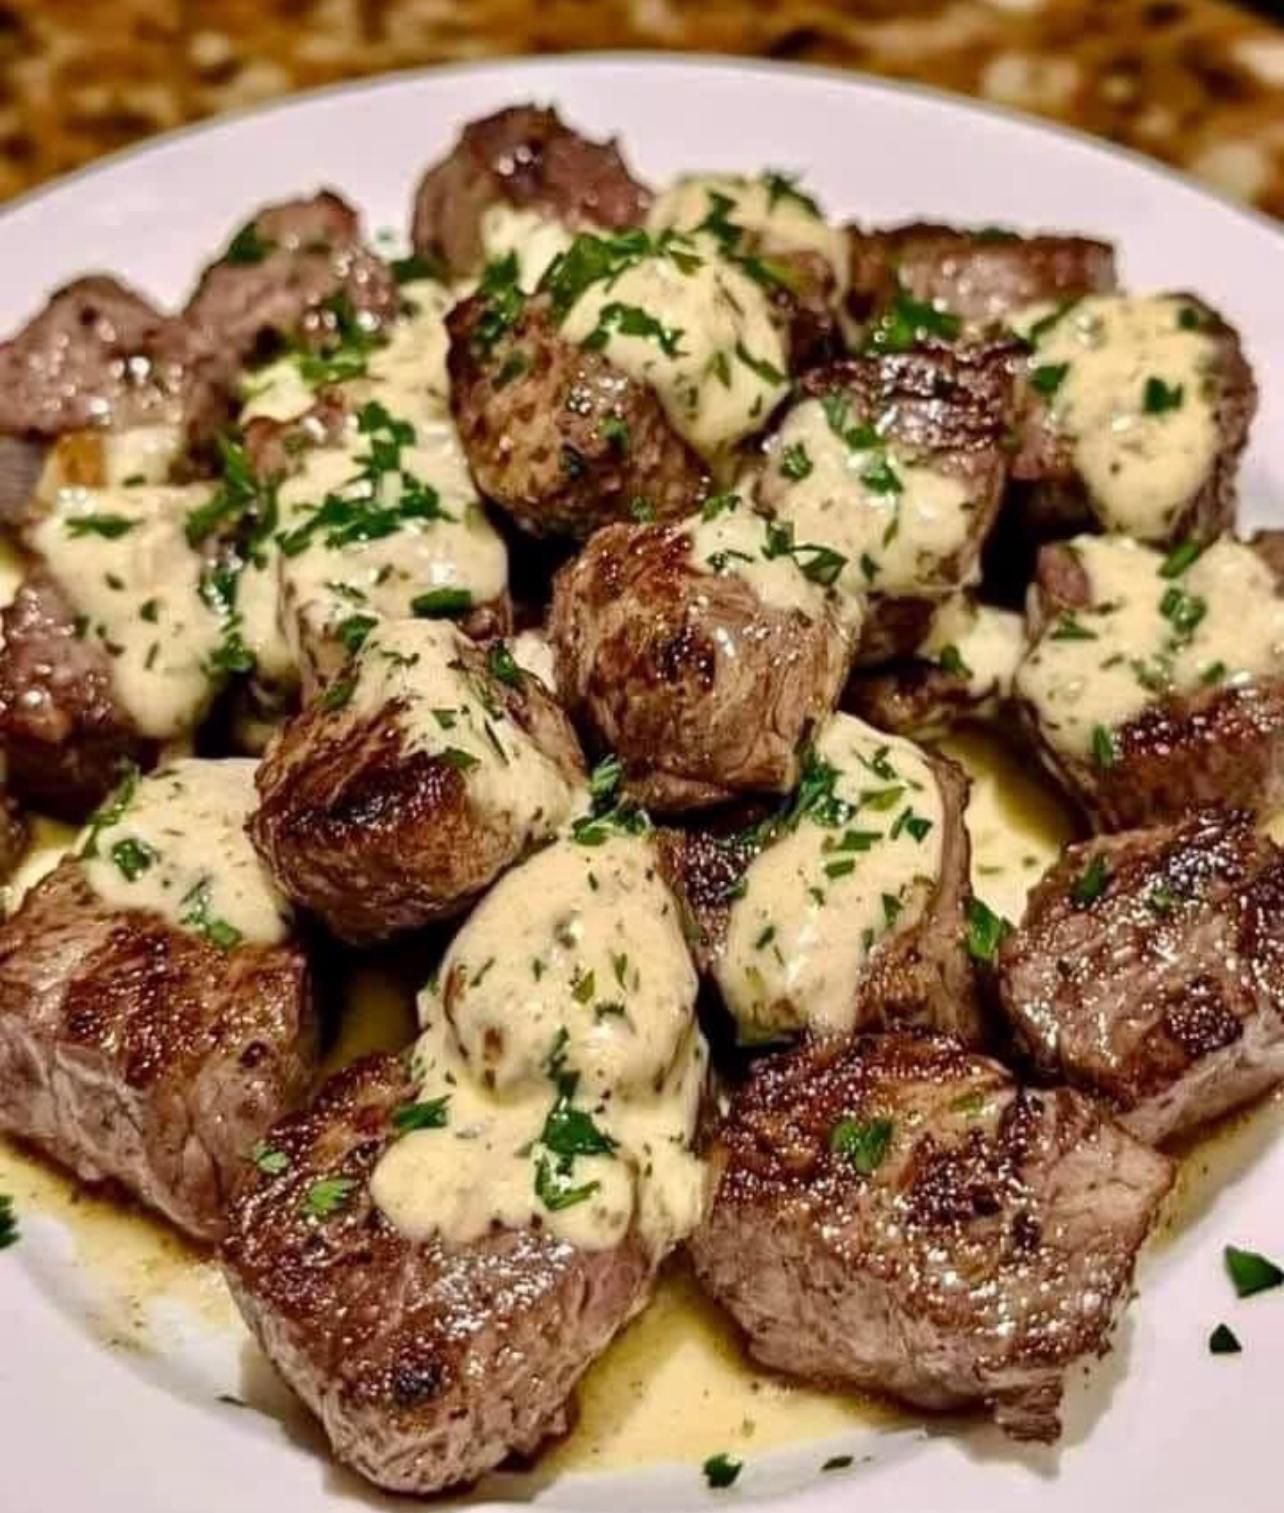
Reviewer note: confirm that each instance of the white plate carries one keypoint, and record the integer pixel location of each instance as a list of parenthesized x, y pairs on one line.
[(1162, 1423)]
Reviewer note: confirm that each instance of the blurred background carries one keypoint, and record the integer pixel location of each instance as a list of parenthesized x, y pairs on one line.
[(1196, 83)]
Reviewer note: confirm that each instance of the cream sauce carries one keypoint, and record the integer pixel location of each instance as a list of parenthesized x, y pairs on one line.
[(856, 868), (444, 709), (535, 239), (1219, 622), (122, 557), (730, 537), (563, 1037), (898, 523), (533, 652), (770, 213), (982, 642), (174, 842), (1135, 394), (717, 362), (105, 459)]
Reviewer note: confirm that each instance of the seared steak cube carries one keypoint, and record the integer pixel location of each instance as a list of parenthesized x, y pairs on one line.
[(154, 1017), (978, 276), (896, 462), (422, 771), (700, 661), (1135, 412), (528, 161), (1155, 684), (898, 1215), (1149, 971), (846, 911)]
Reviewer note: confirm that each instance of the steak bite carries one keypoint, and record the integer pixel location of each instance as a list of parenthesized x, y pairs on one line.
[(896, 462), (633, 375), (699, 654), (437, 1249), (897, 1215), (155, 1016), (1153, 685), (424, 770), (111, 646), (1136, 410), (1149, 971), (296, 271), (525, 166), (846, 912), (100, 354), (962, 670), (977, 276)]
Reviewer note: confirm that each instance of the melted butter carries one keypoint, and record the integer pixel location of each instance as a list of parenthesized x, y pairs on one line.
[(718, 364), (989, 643), (768, 213), (735, 539), (1144, 634), (568, 994), (857, 869), (123, 559), (898, 523), (446, 709), (533, 238), (178, 846), (1140, 462), (1016, 821)]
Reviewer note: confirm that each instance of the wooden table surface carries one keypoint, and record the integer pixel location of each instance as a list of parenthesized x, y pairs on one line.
[(1198, 83)]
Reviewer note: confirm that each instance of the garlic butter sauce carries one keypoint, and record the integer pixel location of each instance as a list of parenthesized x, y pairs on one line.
[(174, 842), (560, 1037), (1154, 626), (855, 865), (1129, 382)]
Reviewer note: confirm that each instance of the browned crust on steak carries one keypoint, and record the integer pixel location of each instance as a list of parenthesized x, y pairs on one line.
[(65, 735), (700, 689), (545, 443), (134, 1050), (99, 354), (376, 838), (1216, 746), (981, 276), (1163, 994), (919, 977), (528, 158), (1055, 502), (950, 408), (917, 699), (989, 1250), (312, 256), (427, 1364)]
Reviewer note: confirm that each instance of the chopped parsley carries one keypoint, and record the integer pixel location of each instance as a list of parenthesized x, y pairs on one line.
[(110, 527), (195, 915), (631, 320), (865, 1143), (133, 858), (429, 1113), (908, 321), (502, 665), (817, 562), (721, 1470), (1159, 397), (795, 464), (1048, 377), (352, 631), (248, 246), (270, 1161), (1091, 883), (1251, 1273), (1105, 752), (438, 602), (1070, 628), (111, 811), (502, 304), (838, 1463), (1224, 1341), (784, 186), (327, 1196), (986, 931), (759, 366), (1182, 610), (8, 1222), (555, 1189), (1180, 558), (588, 260), (338, 693), (407, 270), (950, 660)]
